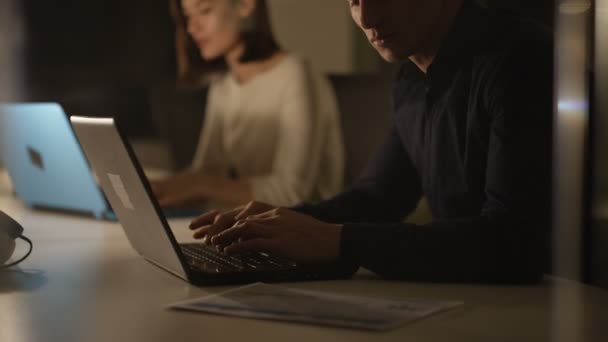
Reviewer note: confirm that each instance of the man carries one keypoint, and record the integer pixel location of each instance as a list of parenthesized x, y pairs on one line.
[(471, 132)]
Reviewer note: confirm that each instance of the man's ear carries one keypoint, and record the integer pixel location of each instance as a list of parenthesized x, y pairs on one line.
[(245, 8)]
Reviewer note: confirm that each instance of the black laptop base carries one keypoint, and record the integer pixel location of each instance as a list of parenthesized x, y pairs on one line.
[(208, 267)]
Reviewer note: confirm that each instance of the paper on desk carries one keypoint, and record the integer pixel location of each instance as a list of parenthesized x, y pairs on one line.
[(274, 302)]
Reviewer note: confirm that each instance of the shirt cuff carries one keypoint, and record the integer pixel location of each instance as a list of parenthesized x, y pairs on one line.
[(352, 239)]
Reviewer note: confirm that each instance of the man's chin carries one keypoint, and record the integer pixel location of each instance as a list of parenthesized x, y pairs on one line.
[(391, 57)]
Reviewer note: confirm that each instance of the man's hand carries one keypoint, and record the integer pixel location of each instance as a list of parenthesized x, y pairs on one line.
[(214, 222), (282, 232)]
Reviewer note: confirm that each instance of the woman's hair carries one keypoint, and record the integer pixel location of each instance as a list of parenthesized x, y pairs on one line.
[(192, 69)]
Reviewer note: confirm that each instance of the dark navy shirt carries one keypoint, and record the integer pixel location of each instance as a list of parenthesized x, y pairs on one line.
[(473, 136)]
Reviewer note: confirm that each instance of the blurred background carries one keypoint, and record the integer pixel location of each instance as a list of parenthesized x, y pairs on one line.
[(103, 57), (116, 58)]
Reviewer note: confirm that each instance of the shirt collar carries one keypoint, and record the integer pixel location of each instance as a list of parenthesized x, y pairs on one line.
[(461, 42)]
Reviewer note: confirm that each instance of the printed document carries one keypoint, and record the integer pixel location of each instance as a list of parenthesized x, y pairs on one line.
[(273, 302)]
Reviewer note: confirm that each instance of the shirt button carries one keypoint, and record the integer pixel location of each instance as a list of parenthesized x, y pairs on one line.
[(427, 85)]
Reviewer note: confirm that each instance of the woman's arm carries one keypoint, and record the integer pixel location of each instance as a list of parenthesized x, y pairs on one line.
[(192, 189)]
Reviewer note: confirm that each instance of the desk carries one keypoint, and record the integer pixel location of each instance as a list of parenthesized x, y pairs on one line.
[(83, 282)]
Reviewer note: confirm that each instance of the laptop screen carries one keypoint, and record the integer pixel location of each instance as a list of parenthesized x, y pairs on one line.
[(44, 159)]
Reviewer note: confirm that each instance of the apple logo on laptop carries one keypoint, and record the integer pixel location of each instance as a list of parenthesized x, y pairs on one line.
[(35, 158)]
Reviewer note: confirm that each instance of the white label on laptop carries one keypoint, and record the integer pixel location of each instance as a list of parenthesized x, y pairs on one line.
[(120, 190)]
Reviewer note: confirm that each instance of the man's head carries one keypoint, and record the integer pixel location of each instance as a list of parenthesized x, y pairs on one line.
[(398, 29)]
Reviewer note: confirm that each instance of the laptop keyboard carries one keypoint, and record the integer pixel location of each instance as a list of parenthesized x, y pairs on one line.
[(203, 254)]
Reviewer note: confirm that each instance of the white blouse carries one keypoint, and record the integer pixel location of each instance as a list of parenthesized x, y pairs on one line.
[(280, 132)]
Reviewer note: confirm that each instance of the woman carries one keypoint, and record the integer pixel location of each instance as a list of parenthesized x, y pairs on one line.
[(271, 131)]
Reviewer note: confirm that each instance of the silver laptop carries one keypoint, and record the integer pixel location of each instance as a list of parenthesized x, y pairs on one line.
[(129, 193)]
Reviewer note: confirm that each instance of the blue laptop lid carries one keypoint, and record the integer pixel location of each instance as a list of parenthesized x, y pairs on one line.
[(44, 159)]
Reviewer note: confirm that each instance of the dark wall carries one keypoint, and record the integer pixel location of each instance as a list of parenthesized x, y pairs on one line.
[(539, 10), (98, 57), (599, 252)]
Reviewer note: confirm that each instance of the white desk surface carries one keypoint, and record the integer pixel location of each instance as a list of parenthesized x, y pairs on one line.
[(83, 282)]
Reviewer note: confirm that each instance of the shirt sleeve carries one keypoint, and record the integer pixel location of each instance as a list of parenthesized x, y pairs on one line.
[(299, 148), (209, 156), (388, 190), (508, 241)]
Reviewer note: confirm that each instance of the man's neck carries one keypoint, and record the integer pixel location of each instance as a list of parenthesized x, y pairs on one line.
[(427, 53)]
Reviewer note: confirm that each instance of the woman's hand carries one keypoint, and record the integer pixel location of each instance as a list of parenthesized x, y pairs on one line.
[(182, 190), (278, 231)]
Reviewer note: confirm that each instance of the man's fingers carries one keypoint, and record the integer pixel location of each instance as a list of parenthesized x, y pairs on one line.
[(253, 245), (269, 216), (246, 211), (204, 220), (251, 209), (243, 231), (263, 215), (222, 222), (268, 221), (201, 232)]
